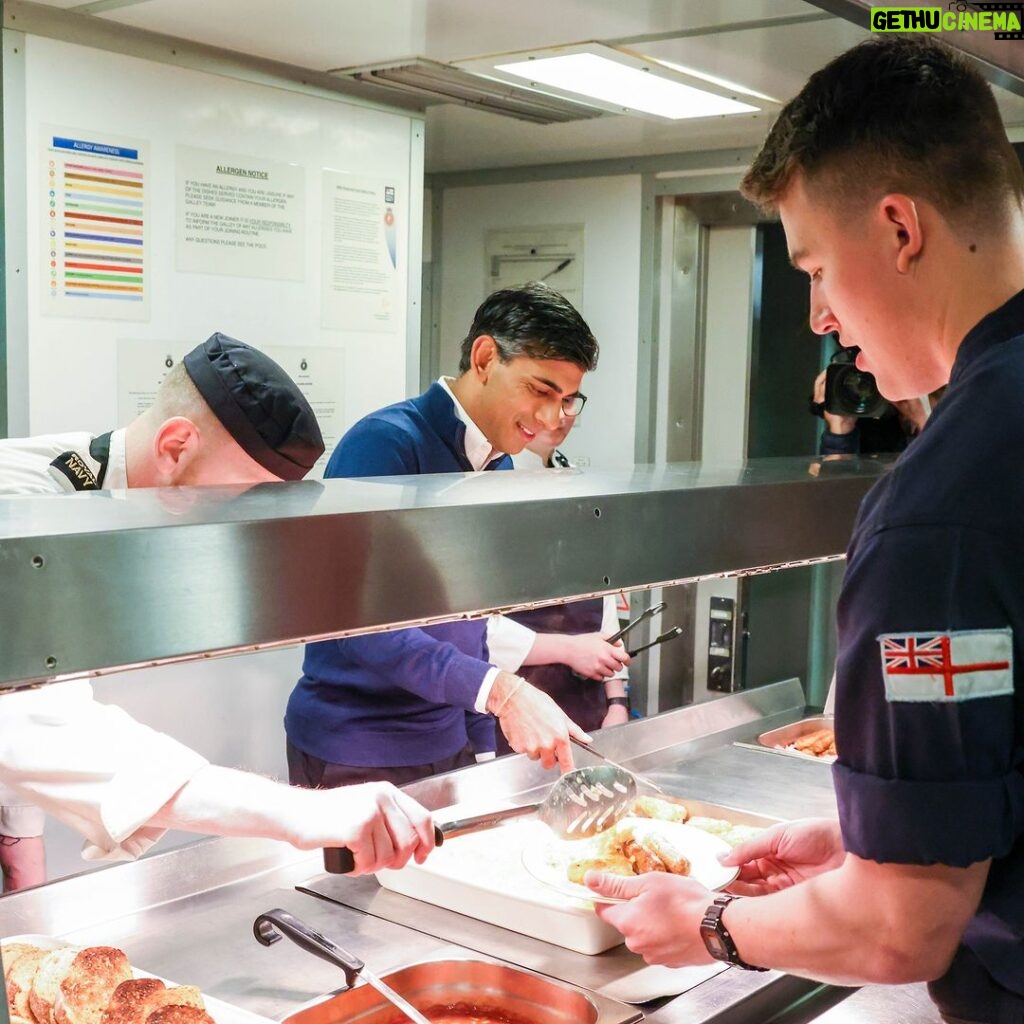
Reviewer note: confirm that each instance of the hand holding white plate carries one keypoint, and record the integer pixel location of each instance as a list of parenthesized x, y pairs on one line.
[(549, 860)]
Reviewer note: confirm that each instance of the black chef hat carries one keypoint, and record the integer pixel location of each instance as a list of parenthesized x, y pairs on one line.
[(260, 406)]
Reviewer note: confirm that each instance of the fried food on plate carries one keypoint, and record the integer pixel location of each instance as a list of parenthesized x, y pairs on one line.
[(663, 810), (611, 865), (631, 848)]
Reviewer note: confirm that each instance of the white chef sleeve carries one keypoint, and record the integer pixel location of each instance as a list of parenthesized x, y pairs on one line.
[(92, 766)]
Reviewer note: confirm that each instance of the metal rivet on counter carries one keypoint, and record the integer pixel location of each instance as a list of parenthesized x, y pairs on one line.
[(38, 561), (51, 662)]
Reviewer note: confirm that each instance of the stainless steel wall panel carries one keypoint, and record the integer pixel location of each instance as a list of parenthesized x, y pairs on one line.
[(98, 582)]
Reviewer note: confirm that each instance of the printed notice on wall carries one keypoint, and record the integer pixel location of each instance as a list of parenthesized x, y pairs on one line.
[(141, 369), (239, 215), (360, 253), (94, 226)]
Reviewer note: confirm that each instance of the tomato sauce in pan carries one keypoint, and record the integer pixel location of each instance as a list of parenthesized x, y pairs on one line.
[(464, 1013)]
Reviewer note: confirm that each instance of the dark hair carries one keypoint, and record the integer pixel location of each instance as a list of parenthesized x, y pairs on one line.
[(896, 114), (534, 321)]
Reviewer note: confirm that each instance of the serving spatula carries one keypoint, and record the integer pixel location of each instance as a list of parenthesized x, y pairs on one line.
[(580, 804)]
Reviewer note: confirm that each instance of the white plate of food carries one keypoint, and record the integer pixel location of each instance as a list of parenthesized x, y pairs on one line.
[(634, 846)]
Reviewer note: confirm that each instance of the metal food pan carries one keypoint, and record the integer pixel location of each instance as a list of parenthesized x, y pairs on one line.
[(485, 988), (738, 816), (778, 739)]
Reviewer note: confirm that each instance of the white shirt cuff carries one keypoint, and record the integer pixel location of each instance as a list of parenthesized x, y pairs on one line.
[(485, 691), (508, 642)]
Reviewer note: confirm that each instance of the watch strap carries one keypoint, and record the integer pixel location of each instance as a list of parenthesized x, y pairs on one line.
[(712, 927), (624, 701)]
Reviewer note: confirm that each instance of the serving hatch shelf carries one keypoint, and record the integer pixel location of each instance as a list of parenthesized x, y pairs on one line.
[(181, 573)]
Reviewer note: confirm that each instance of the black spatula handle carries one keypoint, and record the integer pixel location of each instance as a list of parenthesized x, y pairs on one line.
[(338, 860)]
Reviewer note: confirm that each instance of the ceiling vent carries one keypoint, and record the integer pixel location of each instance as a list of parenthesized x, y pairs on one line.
[(447, 84)]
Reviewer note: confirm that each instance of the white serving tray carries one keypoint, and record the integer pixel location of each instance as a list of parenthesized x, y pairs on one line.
[(482, 876), (221, 1012)]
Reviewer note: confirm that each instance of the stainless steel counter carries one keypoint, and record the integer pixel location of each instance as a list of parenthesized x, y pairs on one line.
[(187, 915)]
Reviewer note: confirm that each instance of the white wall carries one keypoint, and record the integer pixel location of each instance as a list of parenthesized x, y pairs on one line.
[(609, 209)]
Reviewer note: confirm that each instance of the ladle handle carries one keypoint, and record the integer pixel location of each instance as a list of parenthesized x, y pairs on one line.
[(269, 924), (338, 860)]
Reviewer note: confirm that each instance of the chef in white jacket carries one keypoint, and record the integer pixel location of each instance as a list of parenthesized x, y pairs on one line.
[(226, 415)]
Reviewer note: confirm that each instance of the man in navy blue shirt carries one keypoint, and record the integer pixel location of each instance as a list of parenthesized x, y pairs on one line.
[(399, 706), (902, 201)]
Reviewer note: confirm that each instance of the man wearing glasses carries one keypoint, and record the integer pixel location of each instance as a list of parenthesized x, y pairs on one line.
[(403, 705)]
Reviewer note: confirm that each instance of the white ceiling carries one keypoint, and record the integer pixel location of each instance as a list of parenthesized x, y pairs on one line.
[(770, 46)]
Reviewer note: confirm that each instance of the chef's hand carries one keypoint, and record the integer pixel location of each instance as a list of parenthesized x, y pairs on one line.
[(786, 855), (662, 919), (590, 655), (532, 722), (381, 825)]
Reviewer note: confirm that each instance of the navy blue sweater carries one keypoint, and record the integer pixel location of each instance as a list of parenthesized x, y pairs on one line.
[(405, 697)]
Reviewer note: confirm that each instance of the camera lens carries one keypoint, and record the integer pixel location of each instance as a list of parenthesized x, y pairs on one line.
[(858, 391)]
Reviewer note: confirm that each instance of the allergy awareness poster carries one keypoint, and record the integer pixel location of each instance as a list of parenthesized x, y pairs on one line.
[(239, 215), (359, 290), (94, 226)]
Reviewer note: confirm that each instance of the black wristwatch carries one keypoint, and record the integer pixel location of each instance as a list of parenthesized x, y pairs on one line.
[(624, 701), (716, 936)]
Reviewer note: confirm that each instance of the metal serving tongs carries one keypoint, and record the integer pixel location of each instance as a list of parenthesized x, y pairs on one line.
[(269, 926), (580, 804)]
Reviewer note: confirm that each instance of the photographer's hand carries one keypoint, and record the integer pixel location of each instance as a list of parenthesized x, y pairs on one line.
[(835, 424)]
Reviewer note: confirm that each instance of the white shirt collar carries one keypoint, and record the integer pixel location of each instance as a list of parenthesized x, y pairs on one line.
[(479, 450), (117, 467)]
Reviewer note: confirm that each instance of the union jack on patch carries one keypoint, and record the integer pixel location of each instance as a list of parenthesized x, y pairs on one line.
[(951, 666)]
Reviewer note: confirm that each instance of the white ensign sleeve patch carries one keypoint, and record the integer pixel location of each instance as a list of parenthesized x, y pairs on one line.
[(952, 666)]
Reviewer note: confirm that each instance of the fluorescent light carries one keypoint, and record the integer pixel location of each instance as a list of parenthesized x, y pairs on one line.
[(714, 80), (626, 87)]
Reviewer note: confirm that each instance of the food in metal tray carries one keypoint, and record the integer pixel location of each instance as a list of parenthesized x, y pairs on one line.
[(66, 984), (464, 1013), (670, 810), (821, 743)]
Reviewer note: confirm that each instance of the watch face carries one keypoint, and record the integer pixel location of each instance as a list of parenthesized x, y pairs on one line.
[(714, 944)]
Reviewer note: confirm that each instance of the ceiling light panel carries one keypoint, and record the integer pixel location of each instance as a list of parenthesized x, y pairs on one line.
[(619, 82)]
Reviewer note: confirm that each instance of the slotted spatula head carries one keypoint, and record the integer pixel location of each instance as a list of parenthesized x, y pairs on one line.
[(587, 801)]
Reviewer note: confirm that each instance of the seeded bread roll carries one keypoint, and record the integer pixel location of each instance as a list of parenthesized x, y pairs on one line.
[(11, 951), (20, 974), (133, 1001), (46, 983), (180, 1015), (89, 983)]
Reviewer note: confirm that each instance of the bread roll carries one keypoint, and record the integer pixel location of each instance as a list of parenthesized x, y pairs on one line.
[(11, 951), (133, 1001), (46, 982), (180, 1015), (86, 988), (20, 973)]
